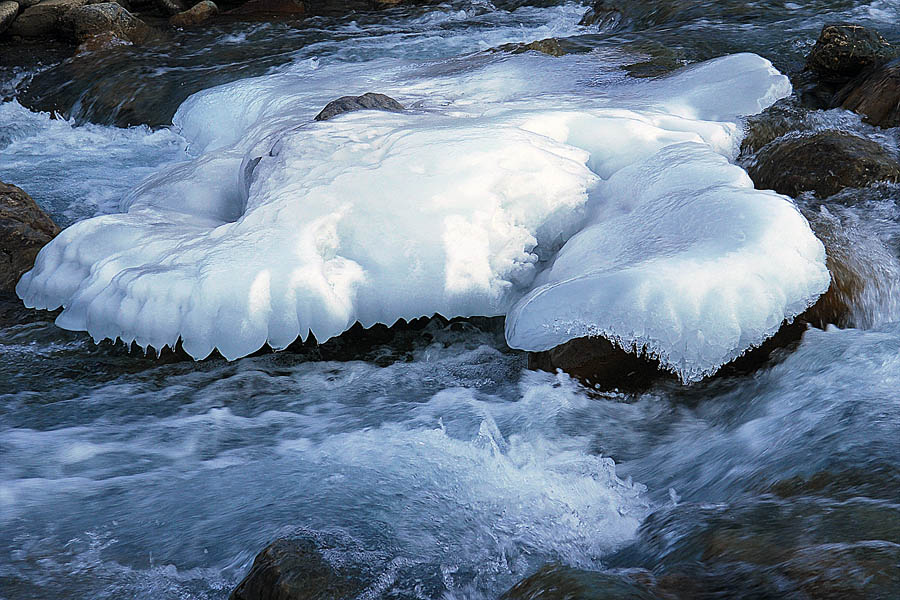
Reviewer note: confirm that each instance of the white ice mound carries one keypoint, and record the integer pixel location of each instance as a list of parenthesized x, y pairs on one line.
[(682, 260), (370, 218), (304, 227)]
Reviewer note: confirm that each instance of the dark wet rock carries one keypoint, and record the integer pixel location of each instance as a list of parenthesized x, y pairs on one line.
[(766, 547), (24, 230), (863, 272), (876, 95), (368, 101), (549, 46), (8, 12), (844, 50), (555, 582), (309, 565), (825, 163), (104, 18), (878, 481), (604, 16), (270, 8), (385, 345), (781, 118), (294, 569), (600, 364), (868, 570), (199, 13), (614, 15), (100, 42), (43, 19)]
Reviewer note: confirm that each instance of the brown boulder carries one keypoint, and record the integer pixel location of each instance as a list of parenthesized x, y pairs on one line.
[(24, 230), (875, 95), (600, 364), (8, 12), (84, 22), (549, 46), (199, 13), (44, 18), (844, 50), (825, 163), (368, 101)]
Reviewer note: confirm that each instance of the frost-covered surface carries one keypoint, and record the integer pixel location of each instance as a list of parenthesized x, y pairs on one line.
[(287, 227)]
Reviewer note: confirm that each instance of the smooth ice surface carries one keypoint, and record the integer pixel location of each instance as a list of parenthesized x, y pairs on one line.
[(683, 260), (287, 227)]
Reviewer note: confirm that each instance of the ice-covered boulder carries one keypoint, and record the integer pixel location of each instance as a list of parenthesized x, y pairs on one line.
[(681, 260), (615, 214)]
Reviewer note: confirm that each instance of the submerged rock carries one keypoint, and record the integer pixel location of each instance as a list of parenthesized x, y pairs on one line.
[(368, 101), (199, 13), (557, 582), (605, 16), (844, 50), (875, 95), (825, 163), (864, 275), (107, 18), (311, 565), (765, 547), (294, 569), (24, 230)]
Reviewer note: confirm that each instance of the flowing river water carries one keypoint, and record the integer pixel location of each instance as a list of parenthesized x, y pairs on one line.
[(431, 454)]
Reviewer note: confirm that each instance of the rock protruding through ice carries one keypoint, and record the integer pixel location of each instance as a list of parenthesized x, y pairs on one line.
[(456, 207)]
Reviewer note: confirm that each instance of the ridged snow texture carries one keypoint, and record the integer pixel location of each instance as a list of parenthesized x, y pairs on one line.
[(373, 217)]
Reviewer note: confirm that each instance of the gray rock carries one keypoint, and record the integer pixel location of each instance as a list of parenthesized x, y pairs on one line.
[(84, 22), (8, 12), (24, 230), (825, 162), (199, 13), (844, 50), (369, 101), (43, 18)]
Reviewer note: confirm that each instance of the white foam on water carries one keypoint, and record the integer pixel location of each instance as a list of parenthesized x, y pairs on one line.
[(67, 168), (458, 463)]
